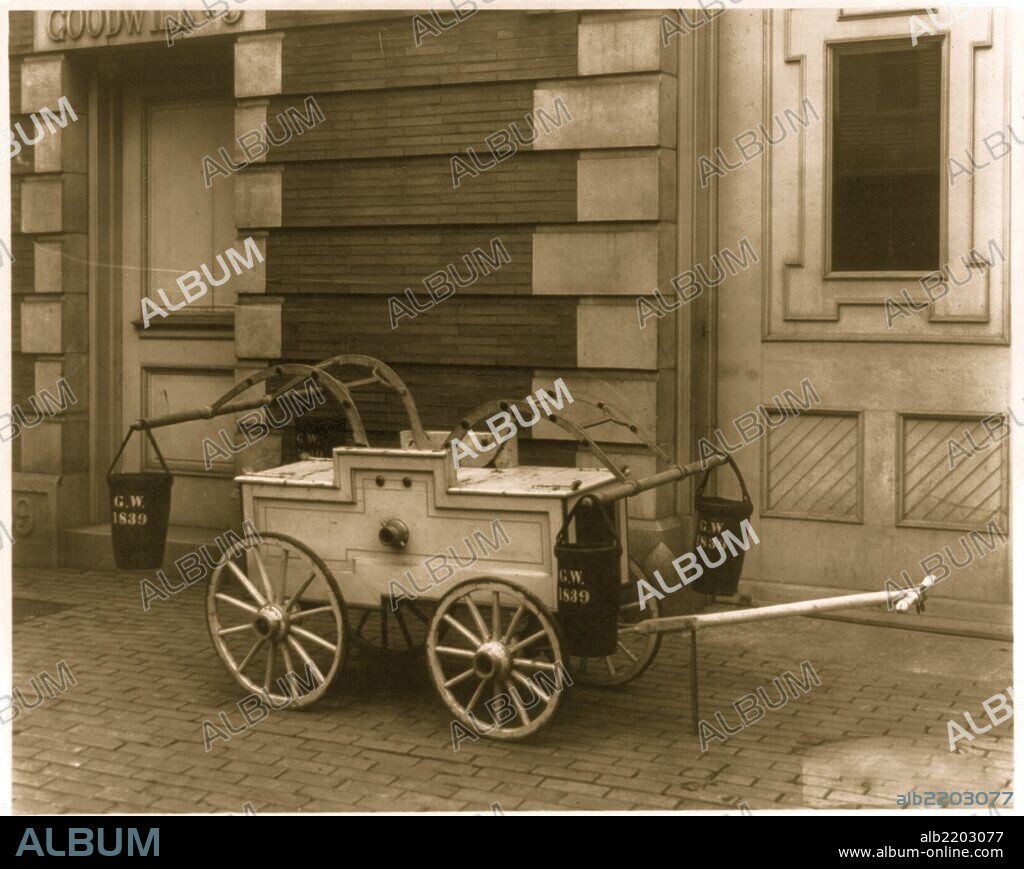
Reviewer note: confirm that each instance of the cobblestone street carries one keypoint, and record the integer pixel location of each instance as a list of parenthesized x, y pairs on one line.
[(128, 736)]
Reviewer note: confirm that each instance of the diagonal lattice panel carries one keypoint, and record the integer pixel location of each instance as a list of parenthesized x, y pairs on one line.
[(968, 494), (813, 467)]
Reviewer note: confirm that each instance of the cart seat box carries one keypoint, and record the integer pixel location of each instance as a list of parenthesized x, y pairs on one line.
[(498, 521)]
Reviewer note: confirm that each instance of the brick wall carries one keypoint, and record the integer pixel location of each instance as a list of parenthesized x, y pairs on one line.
[(374, 260), (491, 46), (362, 206), (533, 188), (368, 205), (404, 122)]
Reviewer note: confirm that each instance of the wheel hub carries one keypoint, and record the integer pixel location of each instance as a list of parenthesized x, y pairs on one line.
[(271, 623), (492, 660)]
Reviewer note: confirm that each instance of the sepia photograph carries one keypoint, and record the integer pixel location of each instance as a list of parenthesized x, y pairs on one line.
[(468, 407)]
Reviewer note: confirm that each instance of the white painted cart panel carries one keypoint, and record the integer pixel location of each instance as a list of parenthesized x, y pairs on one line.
[(337, 506)]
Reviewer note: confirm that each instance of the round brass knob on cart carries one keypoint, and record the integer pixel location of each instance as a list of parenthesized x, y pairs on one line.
[(394, 533)]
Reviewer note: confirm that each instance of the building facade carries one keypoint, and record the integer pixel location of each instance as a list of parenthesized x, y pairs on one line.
[(487, 202)]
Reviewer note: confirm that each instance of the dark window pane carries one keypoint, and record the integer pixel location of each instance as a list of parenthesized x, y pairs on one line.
[(886, 156)]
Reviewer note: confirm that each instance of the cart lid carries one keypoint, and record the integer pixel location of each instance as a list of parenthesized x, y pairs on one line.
[(309, 472), (523, 480), (527, 480)]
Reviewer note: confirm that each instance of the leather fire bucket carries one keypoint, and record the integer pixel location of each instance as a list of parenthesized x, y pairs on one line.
[(140, 509), (714, 517), (588, 582)]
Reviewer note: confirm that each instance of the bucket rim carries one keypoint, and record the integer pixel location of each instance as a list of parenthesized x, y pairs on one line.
[(713, 502), (140, 476), (588, 547)]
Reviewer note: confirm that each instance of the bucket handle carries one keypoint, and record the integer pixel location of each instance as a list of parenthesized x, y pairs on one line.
[(743, 483), (563, 535), (124, 443)]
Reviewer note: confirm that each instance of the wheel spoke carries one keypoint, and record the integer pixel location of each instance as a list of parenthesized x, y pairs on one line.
[(529, 683), (452, 652), (496, 616), (236, 629), (300, 591), (462, 677), (530, 639), (268, 675), (284, 574), (478, 619), (234, 601), (517, 701), (288, 670), (255, 648), (523, 663), (512, 624), (249, 587), (313, 638), (315, 611), (263, 574), (628, 653), (308, 661), (476, 696), (611, 667), (462, 629)]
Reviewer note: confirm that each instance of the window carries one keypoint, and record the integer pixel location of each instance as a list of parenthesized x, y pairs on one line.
[(886, 156)]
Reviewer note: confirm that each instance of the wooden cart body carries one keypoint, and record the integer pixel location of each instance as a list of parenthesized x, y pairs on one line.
[(499, 522)]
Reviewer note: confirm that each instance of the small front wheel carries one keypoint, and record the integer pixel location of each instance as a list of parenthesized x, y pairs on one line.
[(495, 657), (277, 620)]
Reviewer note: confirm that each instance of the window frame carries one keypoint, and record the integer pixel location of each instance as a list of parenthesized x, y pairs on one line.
[(874, 45)]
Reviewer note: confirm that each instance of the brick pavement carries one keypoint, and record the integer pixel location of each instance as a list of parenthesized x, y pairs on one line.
[(128, 736)]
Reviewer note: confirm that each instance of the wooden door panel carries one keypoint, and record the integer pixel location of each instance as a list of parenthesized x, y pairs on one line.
[(166, 390), (188, 223), (174, 224)]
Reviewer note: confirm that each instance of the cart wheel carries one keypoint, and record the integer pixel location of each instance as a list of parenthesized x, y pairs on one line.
[(391, 631), (495, 657), (635, 651), (271, 607)]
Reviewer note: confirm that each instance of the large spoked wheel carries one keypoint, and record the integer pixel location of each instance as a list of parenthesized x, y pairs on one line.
[(391, 629), (635, 651), (277, 620), (495, 657)]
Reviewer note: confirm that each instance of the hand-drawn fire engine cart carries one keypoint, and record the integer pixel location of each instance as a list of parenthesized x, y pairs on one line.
[(507, 577)]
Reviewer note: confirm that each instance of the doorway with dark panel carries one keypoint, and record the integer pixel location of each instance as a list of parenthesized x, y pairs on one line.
[(155, 113)]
